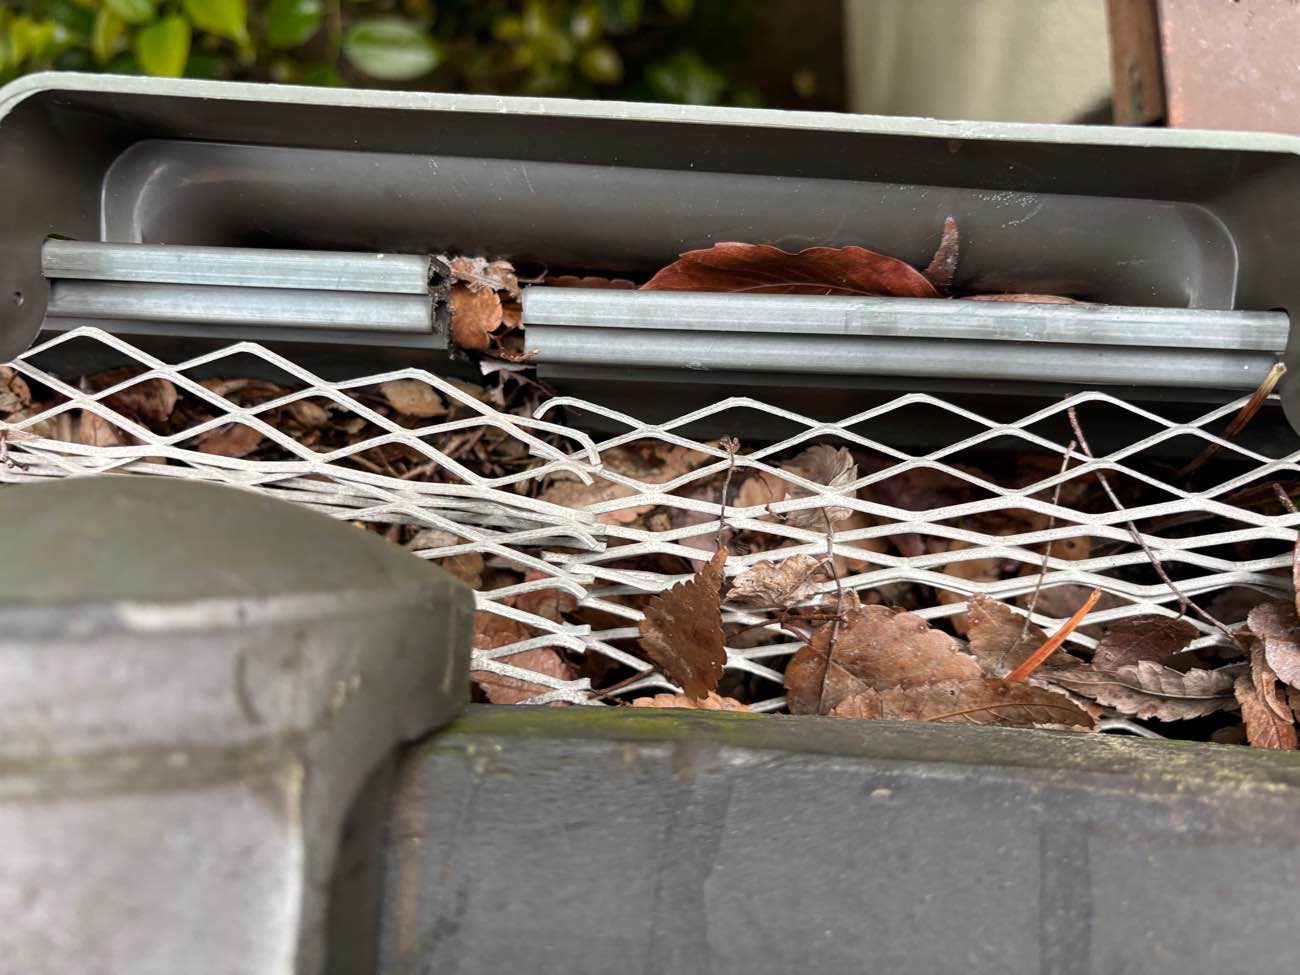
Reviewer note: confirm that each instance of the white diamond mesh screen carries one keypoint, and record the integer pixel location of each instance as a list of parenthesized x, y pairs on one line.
[(925, 530)]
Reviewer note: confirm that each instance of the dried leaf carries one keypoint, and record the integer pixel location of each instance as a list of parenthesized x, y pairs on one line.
[(1137, 638), (501, 689), (943, 266), (574, 281), (230, 440), (1276, 624), (482, 275), (491, 631), (653, 463), (710, 702), (682, 630), (15, 394), (432, 538), (467, 567), (981, 701), (997, 637), (512, 316), (474, 316), (824, 464), (772, 583), (94, 431), (1148, 690), (549, 604), (1268, 719), (972, 570), (245, 392), (764, 269), (875, 647), (310, 415), (413, 398), (149, 402)]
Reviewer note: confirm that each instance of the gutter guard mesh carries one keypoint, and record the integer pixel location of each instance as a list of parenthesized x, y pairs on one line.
[(576, 550)]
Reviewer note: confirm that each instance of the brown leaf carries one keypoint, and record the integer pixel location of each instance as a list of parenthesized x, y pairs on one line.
[(492, 630), (512, 314), (1137, 638), (550, 604), (997, 637), (15, 394), (943, 266), (1268, 719), (824, 464), (573, 281), (772, 583), (972, 570), (430, 538), (875, 647), (467, 567), (1276, 624), (482, 275), (764, 269), (981, 701), (230, 440), (149, 402), (501, 689), (310, 415), (413, 398), (682, 630), (710, 702), (474, 316), (245, 392), (1148, 690), (1028, 299), (94, 431), (651, 463)]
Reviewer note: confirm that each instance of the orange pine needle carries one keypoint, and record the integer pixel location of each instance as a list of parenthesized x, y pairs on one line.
[(1055, 640)]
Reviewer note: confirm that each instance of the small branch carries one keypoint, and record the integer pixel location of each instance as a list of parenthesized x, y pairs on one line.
[(1285, 499), (1056, 639), (1244, 416), (1047, 552), (1183, 602), (839, 607), (615, 688), (730, 445)]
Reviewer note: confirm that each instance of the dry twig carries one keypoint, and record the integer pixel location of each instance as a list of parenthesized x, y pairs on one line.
[(1183, 602), (1032, 662)]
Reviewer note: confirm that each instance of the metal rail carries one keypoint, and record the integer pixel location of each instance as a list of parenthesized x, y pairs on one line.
[(283, 307), (244, 267), (247, 290), (1074, 343)]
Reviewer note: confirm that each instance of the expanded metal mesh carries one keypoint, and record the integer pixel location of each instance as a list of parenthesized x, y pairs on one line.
[(934, 523)]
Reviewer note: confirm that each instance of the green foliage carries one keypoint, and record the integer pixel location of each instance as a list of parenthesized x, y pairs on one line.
[(656, 49), (390, 49), (163, 47), (292, 23), (223, 18)]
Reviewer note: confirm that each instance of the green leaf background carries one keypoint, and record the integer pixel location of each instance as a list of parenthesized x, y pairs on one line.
[(647, 49)]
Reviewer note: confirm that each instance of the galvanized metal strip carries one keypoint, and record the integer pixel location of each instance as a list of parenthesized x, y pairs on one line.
[(907, 318), (206, 305), (242, 267)]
